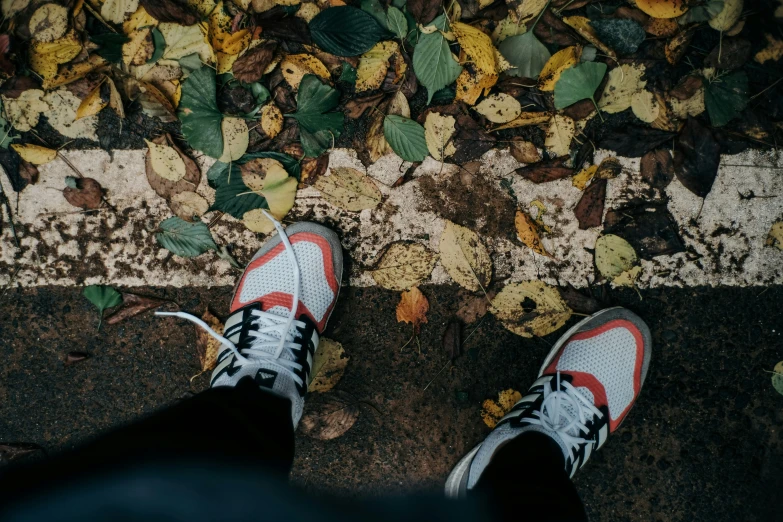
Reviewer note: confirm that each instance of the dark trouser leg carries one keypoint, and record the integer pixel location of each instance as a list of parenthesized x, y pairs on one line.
[(242, 425), (526, 480)]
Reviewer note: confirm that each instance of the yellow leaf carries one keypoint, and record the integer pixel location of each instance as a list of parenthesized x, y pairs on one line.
[(46, 56), (115, 100), (478, 47), (581, 25), (236, 138), (267, 177), (48, 23), (622, 83), (465, 257), (772, 52), (614, 256), (609, 168), (373, 65), (559, 134), (71, 72), (202, 7), (115, 11), (677, 45), (492, 412), (471, 82), (207, 347), (693, 106), (645, 106), (581, 180), (438, 131), (307, 12), (140, 18), (329, 364), (220, 35), (662, 27), (528, 232), (548, 313), (728, 16), (506, 28), (189, 205), (404, 265), (775, 236), (184, 40), (295, 66), (225, 62), (526, 119), (662, 8), (62, 115), (92, 104), (499, 108), (349, 189), (24, 111), (413, 308), (557, 63), (271, 120), (524, 11), (35, 154), (166, 162)]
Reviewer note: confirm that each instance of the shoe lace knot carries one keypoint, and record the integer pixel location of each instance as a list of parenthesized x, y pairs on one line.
[(566, 412), (271, 339)]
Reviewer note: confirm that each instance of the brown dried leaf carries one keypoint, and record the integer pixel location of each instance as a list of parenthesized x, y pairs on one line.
[(170, 11), (590, 209), (356, 107), (28, 172), (657, 168), (729, 54), (545, 171), (329, 415), (328, 366), (424, 10), (165, 187), (473, 307), (687, 87), (529, 233), (677, 45), (133, 305), (577, 301), (74, 357), (412, 308), (609, 168), (88, 194), (250, 66), (207, 347), (524, 151), (452, 339)]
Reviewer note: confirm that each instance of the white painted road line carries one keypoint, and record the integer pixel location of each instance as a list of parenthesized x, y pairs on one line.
[(60, 246)]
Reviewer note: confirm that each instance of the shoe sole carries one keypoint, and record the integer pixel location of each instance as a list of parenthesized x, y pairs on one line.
[(458, 476)]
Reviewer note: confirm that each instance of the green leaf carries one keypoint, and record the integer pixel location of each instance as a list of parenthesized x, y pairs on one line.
[(233, 196), (701, 13), (346, 31), (622, 35), (525, 53), (578, 83), (185, 239), (396, 22), (433, 63), (189, 63), (444, 96), (726, 97), (348, 73), (199, 113), (218, 170), (318, 128), (5, 131), (375, 8), (160, 45), (777, 377), (406, 137), (110, 46), (102, 297)]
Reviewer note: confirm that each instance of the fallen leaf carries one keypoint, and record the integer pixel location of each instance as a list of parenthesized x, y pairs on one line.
[(609, 168), (616, 260), (413, 308), (677, 45), (664, 27), (404, 265), (170, 11), (185, 239), (86, 193), (777, 377), (35, 154), (235, 139), (634, 141), (349, 189), (772, 52), (581, 180), (75, 357), (473, 307), (355, 107), (582, 26), (559, 134), (499, 108), (438, 131), (295, 66), (133, 305), (424, 11), (452, 339), (529, 232), (166, 187), (656, 167), (559, 62), (589, 210), (102, 297), (728, 16), (579, 302), (622, 83), (166, 162), (373, 65), (648, 227), (46, 56), (189, 205), (115, 11), (62, 116), (731, 53), (578, 83), (523, 11), (662, 8), (478, 46), (545, 171), (492, 412), (530, 308), (696, 158), (9, 452), (524, 151), (329, 366), (329, 415), (48, 23), (525, 119), (645, 106), (465, 257), (271, 120), (775, 236), (251, 66), (24, 111)]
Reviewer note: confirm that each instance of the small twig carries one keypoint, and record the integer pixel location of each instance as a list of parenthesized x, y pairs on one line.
[(99, 17)]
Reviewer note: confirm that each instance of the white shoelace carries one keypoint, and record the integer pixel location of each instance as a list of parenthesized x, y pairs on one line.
[(274, 334), (553, 416)]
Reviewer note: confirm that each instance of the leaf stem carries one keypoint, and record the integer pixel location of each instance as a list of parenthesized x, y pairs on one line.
[(592, 99), (540, 15)]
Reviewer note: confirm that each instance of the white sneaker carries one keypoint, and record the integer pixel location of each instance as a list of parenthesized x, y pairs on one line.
[(280, 306), (586, 387)]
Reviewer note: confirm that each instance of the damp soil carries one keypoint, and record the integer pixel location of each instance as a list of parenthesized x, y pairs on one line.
[(703, 443)]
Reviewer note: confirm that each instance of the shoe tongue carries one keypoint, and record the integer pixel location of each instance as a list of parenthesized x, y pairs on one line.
[(242, 322), (569, 410)]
